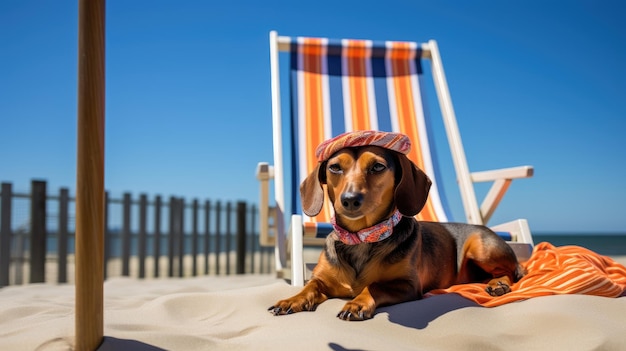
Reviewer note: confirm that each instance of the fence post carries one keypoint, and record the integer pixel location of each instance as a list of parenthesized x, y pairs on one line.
[(228, 235), (5, 233), (171, 236), (38, 232), (126, 235), (181, 236), (157, 234), (241, 237), (194, 238), (141, 246), (62, 235), (253, 242), (207, 235), (218, 236), (19, 245), (107, 237)]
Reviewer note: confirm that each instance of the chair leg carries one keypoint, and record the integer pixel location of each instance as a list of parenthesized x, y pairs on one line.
[(297, 261)]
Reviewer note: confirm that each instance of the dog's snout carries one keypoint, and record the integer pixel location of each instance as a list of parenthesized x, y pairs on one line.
[(351, 201)]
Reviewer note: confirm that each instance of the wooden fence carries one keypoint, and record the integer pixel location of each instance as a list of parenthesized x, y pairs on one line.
[(144, 238)]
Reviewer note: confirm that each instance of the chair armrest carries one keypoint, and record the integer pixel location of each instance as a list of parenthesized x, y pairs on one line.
[(519, 229), (265, 172), (522, 243), (502, 179), (503, 173)]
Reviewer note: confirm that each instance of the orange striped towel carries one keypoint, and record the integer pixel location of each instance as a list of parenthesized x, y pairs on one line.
[(553, 271)]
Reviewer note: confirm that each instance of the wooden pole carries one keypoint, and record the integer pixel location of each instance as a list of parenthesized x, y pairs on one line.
[(90, 176)]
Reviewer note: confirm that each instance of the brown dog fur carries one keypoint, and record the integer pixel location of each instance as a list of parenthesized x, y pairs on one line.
[(366, 185)]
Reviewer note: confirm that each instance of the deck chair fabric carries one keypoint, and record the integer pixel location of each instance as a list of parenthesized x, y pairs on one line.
[(338, 86), (348, 85)]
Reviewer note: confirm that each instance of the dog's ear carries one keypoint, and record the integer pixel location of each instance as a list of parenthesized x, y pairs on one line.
[(412, 189), (312, 192)]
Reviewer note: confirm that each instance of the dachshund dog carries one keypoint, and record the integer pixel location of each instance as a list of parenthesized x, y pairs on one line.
[(378, 253)]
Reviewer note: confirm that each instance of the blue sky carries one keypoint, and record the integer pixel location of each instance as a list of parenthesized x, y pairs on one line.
[(188, 95)]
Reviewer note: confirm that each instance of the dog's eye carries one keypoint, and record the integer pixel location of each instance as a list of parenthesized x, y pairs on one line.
[(334, 168), (378, 167)]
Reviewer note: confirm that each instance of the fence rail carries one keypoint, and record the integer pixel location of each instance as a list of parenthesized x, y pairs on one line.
[(144, 237)]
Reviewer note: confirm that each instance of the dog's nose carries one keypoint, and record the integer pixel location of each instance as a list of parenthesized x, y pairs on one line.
[(351, 201)]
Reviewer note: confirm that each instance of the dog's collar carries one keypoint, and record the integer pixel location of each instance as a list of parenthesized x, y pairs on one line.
[(372, 234)]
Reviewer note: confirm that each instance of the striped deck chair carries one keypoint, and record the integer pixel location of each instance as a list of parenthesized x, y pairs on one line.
[(338, 86)]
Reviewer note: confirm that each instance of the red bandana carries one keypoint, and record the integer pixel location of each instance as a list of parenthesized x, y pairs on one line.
[(372, 234)]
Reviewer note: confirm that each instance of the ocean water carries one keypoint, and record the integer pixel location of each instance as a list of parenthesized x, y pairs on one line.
[(604, 244)]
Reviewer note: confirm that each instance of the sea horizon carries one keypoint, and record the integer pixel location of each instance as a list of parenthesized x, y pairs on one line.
[(603, 243)]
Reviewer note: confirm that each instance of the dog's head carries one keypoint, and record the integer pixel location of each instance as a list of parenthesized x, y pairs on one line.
[(368, 176)]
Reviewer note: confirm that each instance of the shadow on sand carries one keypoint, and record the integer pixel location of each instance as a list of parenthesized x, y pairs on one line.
[(418, 314), (114, 344)]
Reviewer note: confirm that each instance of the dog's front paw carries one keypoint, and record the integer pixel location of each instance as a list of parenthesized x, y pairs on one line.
[(354, 311), (291, 305), (498, 288)]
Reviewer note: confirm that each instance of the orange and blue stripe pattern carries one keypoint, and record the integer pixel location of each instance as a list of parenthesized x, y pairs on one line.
[(339, 86)]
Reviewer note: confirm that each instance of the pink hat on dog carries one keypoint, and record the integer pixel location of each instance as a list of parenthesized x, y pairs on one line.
[(388, 140)]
